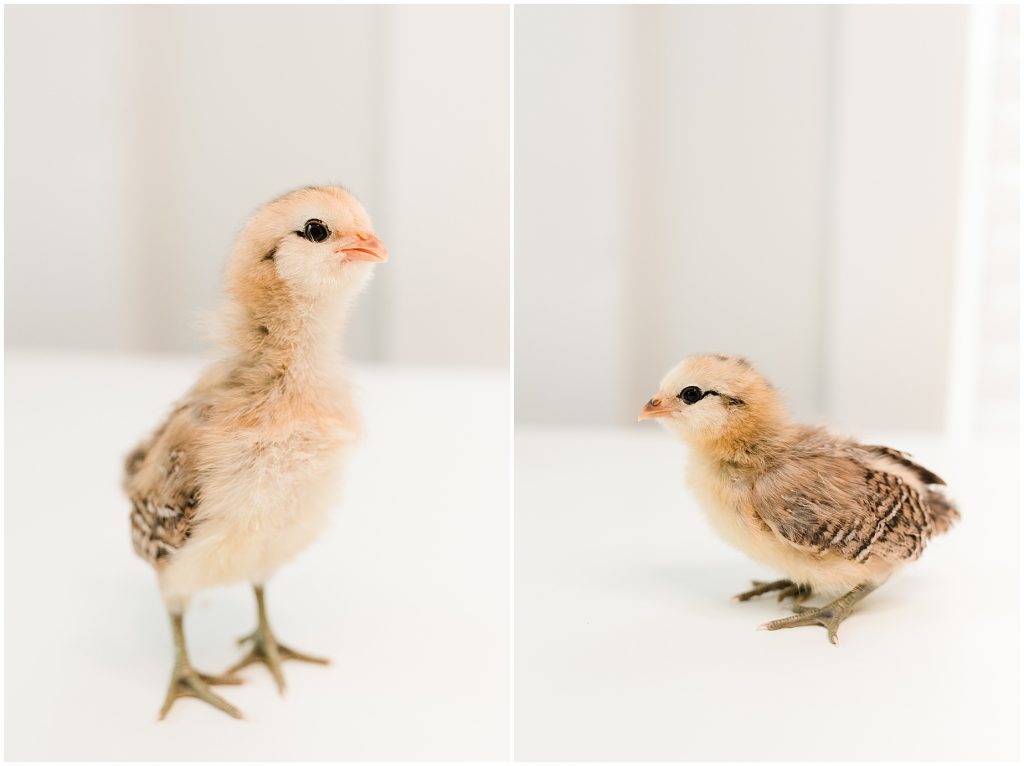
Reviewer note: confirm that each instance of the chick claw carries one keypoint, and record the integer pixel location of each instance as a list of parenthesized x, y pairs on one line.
[(825, 616), (786, 588), (266, 649), (828, 616), (188, 682)]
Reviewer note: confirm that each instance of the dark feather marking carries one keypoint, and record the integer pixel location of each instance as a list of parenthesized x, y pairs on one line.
[(164, 503), (840, 501), (903, 459)]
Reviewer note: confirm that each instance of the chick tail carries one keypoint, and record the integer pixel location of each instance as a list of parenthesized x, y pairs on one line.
[(941, 512)]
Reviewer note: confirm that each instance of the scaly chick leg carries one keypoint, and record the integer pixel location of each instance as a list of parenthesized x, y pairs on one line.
[(786, 589), (186, 681), (828, 616), (267, 649)]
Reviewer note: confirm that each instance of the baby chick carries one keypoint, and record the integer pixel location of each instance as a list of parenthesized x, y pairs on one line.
[(238, 478), (831, 514)]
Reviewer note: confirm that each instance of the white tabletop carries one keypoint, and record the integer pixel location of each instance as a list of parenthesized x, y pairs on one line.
[(407, 592), (628, 646)]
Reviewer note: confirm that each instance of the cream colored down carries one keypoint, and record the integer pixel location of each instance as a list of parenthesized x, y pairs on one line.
[(265, 431), (747, 460)]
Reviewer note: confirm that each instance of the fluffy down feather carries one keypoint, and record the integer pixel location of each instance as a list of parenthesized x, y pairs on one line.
[(239, 477), (826, 511)]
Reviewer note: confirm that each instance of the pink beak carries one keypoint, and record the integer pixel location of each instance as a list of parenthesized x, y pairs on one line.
[(655, 408), (363, 247)]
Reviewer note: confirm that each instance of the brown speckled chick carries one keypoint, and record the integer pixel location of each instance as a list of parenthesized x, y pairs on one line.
[(831, 514), (239, 477)]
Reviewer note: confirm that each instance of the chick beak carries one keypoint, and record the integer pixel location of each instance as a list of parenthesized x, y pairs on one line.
[(655, 408), (362, 246)]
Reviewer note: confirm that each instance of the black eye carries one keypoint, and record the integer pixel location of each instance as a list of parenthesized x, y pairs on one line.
[(691, 395), (316, 231)]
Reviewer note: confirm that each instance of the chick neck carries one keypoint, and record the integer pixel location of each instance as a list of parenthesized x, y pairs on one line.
[(747, 454), (293, 339), (747, 448)]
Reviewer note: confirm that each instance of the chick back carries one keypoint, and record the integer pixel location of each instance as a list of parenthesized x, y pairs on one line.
[(834, 496)]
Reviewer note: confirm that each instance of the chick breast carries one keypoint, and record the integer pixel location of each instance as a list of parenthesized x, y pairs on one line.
[(236, 481)]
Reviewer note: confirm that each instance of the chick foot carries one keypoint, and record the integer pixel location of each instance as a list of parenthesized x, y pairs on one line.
[(268, 650), (828, 616), (186, 681), (786, 589)]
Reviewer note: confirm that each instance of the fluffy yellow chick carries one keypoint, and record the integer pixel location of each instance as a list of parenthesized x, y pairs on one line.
[(831, 514), (239, 477)]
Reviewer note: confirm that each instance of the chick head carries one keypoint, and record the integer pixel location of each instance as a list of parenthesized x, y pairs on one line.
[(312, 242), (708, 398)]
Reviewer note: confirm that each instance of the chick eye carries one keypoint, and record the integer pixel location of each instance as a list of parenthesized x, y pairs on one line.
[(691, 395), (316, 230)]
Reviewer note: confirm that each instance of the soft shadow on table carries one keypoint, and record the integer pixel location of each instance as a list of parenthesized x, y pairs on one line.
[(716, 584)]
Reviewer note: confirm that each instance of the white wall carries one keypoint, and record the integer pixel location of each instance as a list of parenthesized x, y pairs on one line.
[(447, 119), (570, 226), (983, 392), (774, 181), (140, 137), (893, 238), (70, 272)]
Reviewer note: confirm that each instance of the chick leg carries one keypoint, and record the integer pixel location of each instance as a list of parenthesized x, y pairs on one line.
[(786, 589), (267, 649), (828, 616), (188, 682)]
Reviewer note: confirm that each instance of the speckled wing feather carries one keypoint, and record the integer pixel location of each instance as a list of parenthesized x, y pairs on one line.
[(162, 484), (903, 459), (835, 500)]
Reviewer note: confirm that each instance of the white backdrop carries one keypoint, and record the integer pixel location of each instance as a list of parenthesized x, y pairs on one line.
[(830, 191), (779, 182), (140, 137)]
